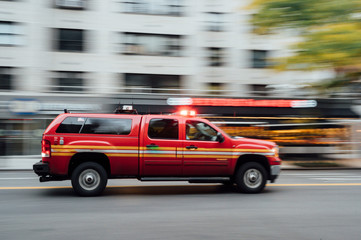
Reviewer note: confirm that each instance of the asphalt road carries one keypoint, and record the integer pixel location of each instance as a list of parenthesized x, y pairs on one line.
[(300, 205)]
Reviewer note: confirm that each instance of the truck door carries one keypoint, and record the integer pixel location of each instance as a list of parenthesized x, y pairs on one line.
[(161, 147), (203, 154)]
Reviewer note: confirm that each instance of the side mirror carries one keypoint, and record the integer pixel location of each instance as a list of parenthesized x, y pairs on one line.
[(220, 137)]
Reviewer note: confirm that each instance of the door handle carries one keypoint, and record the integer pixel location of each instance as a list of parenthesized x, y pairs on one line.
[(152, 145), (191, 147)]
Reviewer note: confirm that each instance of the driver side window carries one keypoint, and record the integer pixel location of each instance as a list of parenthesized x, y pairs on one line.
[(200, 131)]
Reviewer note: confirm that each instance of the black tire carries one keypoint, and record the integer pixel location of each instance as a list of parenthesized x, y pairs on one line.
[(89, 179), (251, 177)]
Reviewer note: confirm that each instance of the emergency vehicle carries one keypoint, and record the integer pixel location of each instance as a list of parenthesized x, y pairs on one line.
[(90, 148)]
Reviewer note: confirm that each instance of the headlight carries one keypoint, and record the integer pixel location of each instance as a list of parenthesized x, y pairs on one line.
[(275, 151)]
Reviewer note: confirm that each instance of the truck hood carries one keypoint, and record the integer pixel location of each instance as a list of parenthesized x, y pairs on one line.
[(248, 141)]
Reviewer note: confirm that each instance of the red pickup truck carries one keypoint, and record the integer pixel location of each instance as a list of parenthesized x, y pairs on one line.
[(89, 149)]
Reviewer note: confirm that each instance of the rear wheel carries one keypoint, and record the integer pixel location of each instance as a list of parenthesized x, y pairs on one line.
[(89, 179), (251, 177)]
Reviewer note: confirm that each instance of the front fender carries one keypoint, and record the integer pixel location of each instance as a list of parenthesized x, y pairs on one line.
[(243, 149)]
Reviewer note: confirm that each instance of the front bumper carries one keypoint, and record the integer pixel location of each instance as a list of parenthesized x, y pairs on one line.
[(41, 168), (275, 171)]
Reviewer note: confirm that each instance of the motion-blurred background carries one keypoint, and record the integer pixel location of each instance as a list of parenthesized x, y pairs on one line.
[(282, 70)]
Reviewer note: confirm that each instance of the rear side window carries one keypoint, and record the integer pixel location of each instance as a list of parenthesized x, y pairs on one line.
[(163, 129), (71, 125), (114, 126)]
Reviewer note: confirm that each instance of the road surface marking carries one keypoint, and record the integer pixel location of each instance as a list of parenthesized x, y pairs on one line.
[(316, 174), (23, 188), (339, 179), (24, 178), (312, 184)]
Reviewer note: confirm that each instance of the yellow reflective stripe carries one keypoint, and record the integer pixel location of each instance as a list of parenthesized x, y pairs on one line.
[(227, 150), (69, 150), (62, 154), (159, 155), (108, 154), (158, 148), (93, 147), (149, 155), (121, 154), (64, 150), (252, 150), (211, 149), (109, 147), (208, 156)]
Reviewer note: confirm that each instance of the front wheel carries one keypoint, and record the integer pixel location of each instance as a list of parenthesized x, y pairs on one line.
[(89, 179), (251, 177)]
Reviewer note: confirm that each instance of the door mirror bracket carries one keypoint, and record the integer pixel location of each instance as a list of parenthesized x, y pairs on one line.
[(220, 137)]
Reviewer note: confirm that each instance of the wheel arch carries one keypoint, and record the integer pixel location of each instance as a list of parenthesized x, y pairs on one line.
[(96, 157)]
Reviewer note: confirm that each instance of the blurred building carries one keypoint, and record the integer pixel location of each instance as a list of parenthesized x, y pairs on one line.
[(83, 54), (147, 46)]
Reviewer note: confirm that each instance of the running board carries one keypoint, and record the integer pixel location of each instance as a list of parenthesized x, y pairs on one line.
[(188, 179)]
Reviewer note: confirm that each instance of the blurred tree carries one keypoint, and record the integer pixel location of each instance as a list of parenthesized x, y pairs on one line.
[(329, 30)]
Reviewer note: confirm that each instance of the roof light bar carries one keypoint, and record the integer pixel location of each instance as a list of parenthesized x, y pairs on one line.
[(234, 102)]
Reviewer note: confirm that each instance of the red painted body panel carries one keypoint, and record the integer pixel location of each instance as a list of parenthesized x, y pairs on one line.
[(122, 151), (160, 157), (136, 154), (207, 158)]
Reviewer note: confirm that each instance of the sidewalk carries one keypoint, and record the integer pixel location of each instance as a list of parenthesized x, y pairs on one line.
[(26, 163), (322, 164), (18, 162)]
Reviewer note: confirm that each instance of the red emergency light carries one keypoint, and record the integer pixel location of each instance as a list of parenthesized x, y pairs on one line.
[(187, 113)]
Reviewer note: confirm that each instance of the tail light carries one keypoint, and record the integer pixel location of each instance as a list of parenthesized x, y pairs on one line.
[(45, 148)]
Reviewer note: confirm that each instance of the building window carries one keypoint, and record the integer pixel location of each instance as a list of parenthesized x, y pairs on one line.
[(68, 81), (70, 4), (71, 40), (259, 90), (215, 88), (6, 78), (259, 58), (215, 21), (156, 7), (152, 83), (10, 33), (216, 57), (152, 44)]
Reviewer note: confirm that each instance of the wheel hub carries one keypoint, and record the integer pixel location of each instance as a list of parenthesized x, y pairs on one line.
[(89, 179), (252, 178)]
